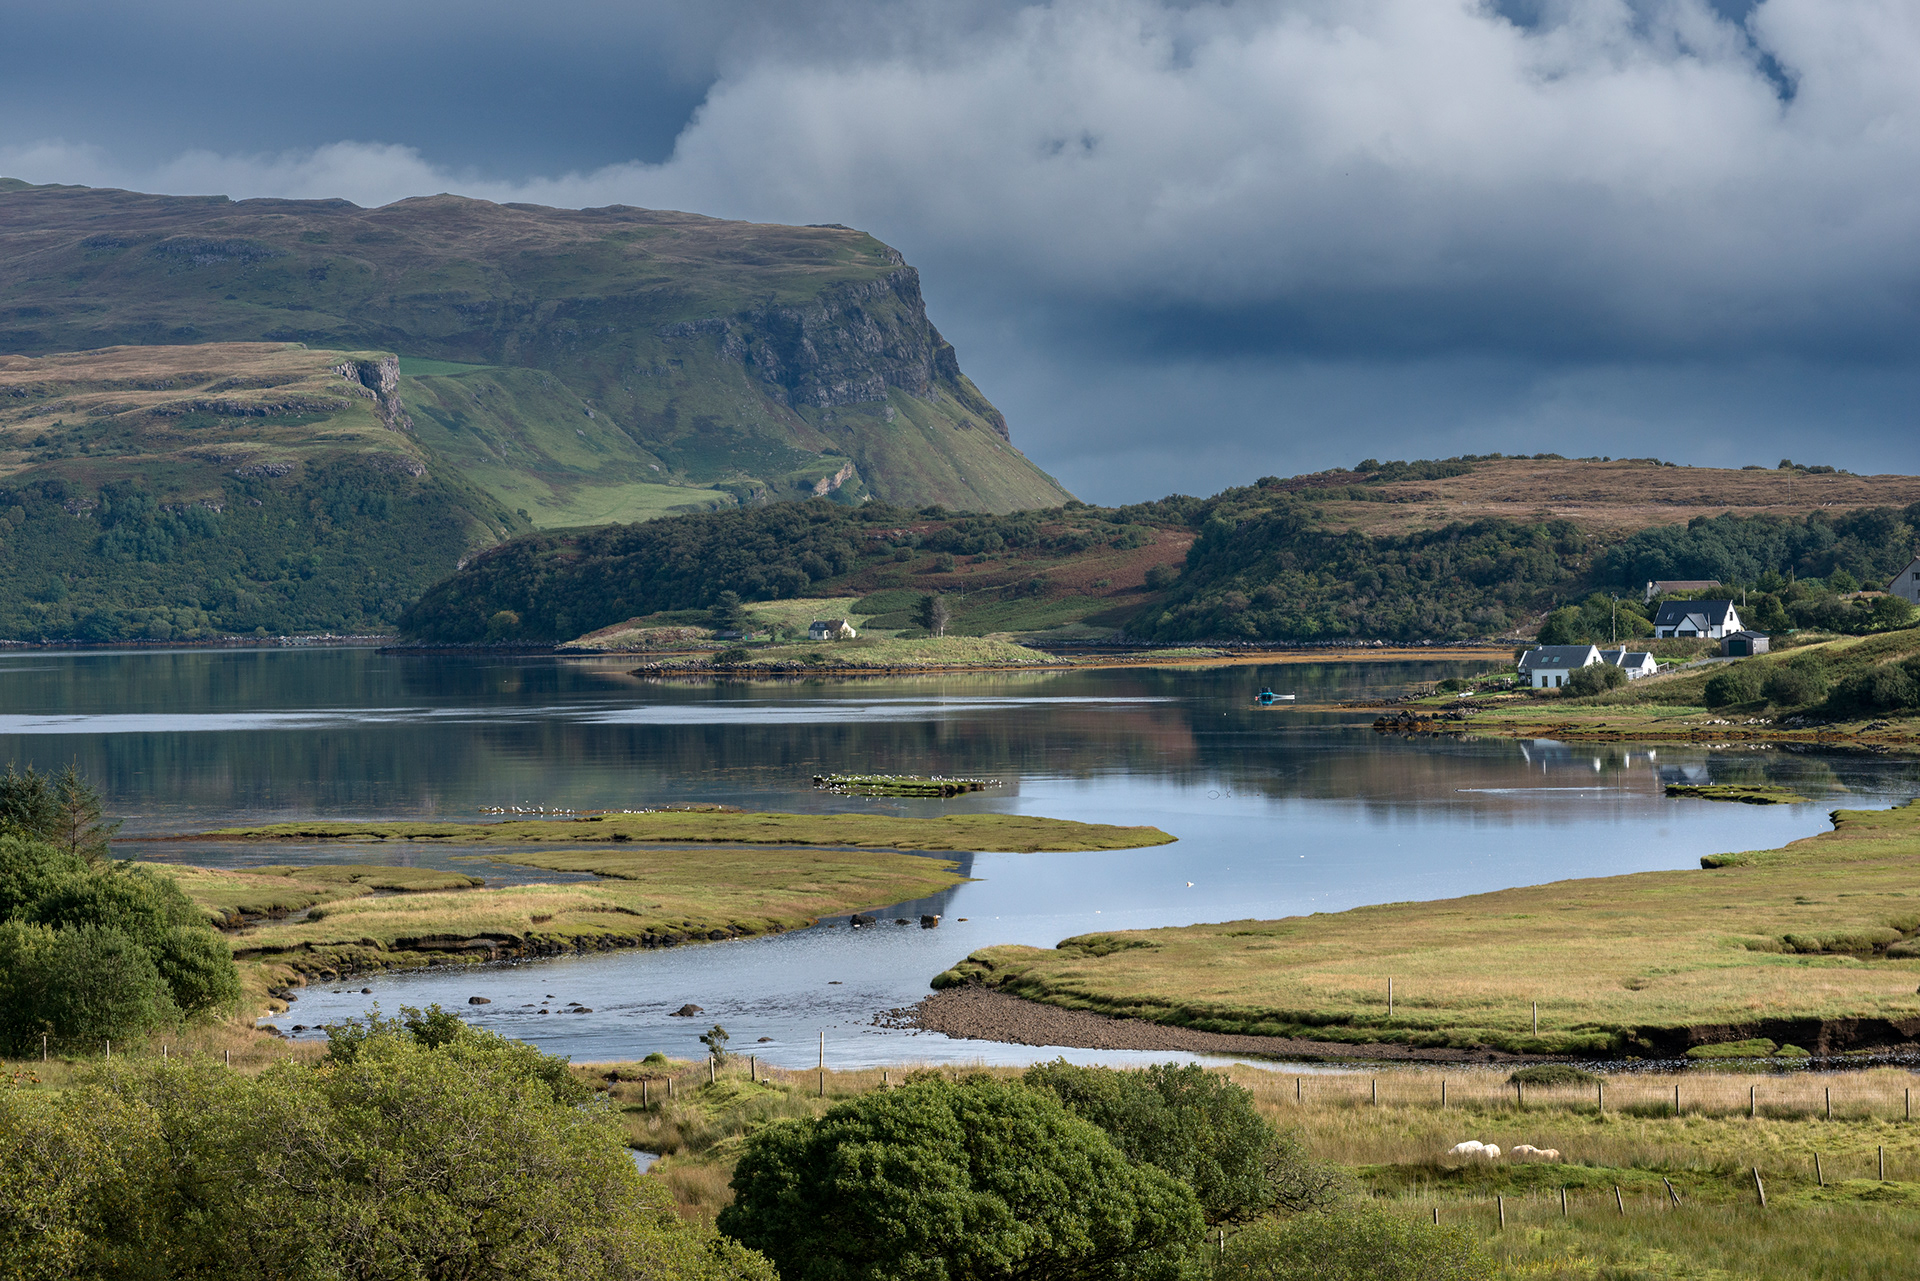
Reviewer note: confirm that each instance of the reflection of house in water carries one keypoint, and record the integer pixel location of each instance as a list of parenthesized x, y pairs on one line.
[(1550, 755)]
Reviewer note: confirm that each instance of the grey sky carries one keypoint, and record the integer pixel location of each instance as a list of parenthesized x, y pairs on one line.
[(1180, 244)]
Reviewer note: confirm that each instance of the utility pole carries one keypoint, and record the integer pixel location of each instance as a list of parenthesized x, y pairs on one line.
[(1616, 619)]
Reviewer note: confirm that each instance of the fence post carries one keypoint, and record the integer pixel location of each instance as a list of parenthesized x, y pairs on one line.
[(1389, 997), (1883, 1163), (1829, 1103), (1818, 1177), (1750, 1104), (1675, 1196), (1376, 1091), (43, 1059), (1536, 1018), (1296, 1089), (643, 1092), (1618, 1200), (1759, 1187), (1676, 1098), (823, 1065), (1909, 1105), (1443, 1091), (1500, 1203), (1436, 1216), (1600, 1096), (1563, 1203), (229, 1058)]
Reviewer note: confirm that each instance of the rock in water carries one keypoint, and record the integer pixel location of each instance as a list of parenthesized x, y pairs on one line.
[(687, 1011), (860, 918), (479, 1000), (929, 922)]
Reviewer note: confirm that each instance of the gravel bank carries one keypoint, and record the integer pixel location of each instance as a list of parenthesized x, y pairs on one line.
[(977, 1014)]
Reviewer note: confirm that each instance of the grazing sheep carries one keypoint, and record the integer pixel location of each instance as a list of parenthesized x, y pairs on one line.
[(1475, 1148), (1491, 1151), (1528, 1152)]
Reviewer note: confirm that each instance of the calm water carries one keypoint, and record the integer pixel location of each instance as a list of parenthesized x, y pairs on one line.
[(1278, 811)]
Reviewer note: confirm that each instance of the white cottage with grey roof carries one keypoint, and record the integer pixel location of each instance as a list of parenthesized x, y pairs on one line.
[(1548, 666), (1709, 618)]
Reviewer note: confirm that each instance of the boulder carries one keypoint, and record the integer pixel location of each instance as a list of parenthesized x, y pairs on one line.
[(686, 1011), (860, 918), (929, 922), (366, 991), (479, 1000), (582, 1009)]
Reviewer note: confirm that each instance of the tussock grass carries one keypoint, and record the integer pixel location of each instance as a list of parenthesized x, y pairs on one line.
[(877, 652), (1622, 964), (673, 895), (283, 889), (1014, 833)]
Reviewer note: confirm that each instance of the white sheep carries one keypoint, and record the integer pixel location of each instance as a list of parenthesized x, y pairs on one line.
[(1475, 1148), (1528, 1152)]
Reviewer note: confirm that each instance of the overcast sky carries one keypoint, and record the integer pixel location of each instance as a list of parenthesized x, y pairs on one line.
[(1182, 244)]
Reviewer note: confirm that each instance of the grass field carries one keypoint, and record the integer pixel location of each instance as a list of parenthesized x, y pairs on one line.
[(1390, 1132), (877, 652), (1016, 833), (1806, 945)]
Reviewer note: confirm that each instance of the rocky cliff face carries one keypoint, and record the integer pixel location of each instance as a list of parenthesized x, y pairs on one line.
[(731, 357)]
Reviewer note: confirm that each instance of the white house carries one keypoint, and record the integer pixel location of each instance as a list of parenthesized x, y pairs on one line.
[(1906, 583), (1634, 665), (823, 629), (1710, 618), (1548, 666)]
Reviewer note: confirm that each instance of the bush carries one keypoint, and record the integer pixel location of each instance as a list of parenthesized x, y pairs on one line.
[(1739, 683), (732, 656), (1161, 577), (1199, 1127), (406, 1161), (957, 1181), (1362, 1244), (1595, 678), (1795, 684), (1552, 1074), (1891, 687)]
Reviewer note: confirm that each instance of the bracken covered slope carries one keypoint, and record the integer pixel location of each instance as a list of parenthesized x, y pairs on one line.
[(580, 365)]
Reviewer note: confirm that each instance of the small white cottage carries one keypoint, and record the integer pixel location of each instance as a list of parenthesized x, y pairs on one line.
[(1548, 666), (1635, 665), (830, 629)]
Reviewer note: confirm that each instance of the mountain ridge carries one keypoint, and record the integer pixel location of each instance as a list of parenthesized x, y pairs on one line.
[(748, 362)]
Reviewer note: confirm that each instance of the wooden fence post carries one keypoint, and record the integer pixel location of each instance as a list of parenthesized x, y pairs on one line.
[(1883, 1163), (1376, 1091), (1563, 1202), (1536, 1018), (1751, 1113), (1389, 997), (1759, 1187), (1500, 1203), (1819, 1178), (1829, 1103), (1443, 1099), (1618, 1200)]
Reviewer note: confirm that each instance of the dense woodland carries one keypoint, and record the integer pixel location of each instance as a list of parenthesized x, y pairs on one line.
[(344, 547)]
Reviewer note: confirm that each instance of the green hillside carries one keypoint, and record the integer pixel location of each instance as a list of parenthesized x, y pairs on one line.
[(185, 492), (580, 365)]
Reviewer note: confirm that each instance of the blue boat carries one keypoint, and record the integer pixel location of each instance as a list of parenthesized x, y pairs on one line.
[(1267, 698)]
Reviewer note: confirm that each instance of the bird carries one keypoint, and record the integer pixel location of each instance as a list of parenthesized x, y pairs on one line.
[(1189, 884)]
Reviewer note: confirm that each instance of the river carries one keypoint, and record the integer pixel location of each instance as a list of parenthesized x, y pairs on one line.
[(1278, 811)]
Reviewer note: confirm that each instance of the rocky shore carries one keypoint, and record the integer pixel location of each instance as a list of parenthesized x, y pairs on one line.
[(975, 1013)]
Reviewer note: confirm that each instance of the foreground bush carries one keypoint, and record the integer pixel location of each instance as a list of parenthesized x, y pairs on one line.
[(1596, 678), (1361, 1244), (93, 950), (958, 1181), (1199, 1127), (405, 1160), (1739, 683)]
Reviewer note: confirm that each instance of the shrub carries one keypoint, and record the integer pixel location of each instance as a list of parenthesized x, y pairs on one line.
[(732, 657), (1739, 683), (1795, 684), (1891, 687), (957, 1181), (1161, 577), (1595, 678), (1362, 1244), (1199, 1127), (410, 1160), (1552, 1074)]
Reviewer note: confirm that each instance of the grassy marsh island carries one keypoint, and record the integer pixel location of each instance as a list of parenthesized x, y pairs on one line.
[(1813, 944), (747, 874), (646, 897), (1009, 833)]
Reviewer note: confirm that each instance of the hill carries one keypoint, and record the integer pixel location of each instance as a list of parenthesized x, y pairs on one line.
[(1300, 559), (186, 492), (580, 366)]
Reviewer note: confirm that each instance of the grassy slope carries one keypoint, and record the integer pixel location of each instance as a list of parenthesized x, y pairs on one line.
[(682, 332), (879, 652), (1617, 964), (239, 438), (1019, 833)]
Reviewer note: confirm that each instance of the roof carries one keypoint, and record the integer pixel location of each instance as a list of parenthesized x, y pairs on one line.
[(828, 622), (1557, 656), (1745, 635), (1622, 657), (1675, 612)]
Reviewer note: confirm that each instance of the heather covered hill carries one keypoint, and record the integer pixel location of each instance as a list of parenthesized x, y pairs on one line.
[(581, 365)]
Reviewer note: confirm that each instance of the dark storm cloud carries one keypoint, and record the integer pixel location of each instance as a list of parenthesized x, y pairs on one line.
[(1168, 238)]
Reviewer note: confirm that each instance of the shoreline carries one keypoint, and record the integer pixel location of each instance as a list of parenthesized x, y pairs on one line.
[(979, 1014)]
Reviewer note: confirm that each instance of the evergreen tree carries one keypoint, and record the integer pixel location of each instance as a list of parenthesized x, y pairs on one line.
[(79, 821)]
